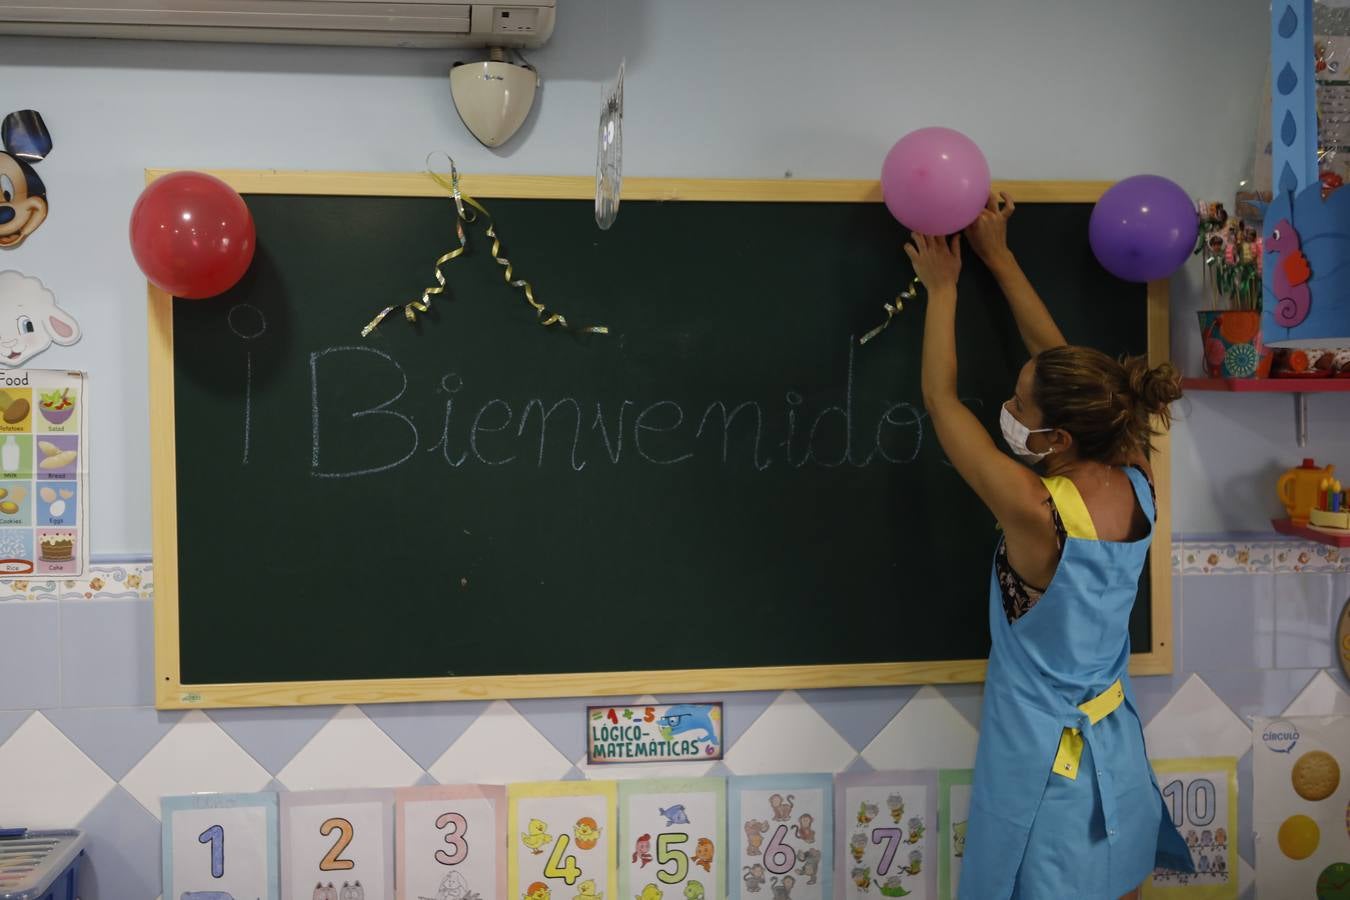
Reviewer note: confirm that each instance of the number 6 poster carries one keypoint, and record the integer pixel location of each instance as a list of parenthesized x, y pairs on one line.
[(450, 842), (1200, 794), (782, 836), (560, 840), (674, 838), (335, 845)]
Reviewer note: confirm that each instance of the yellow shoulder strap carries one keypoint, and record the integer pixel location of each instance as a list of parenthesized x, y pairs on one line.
[(1073, 512)]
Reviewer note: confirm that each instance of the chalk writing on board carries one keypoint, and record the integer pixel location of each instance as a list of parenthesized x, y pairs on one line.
[(497, 431), (237, 318)]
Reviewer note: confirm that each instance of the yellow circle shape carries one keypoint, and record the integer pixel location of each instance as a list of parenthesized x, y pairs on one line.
[(1299, 837)]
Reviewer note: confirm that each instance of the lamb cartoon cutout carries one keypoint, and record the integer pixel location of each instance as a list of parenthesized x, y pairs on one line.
[(30, 320)]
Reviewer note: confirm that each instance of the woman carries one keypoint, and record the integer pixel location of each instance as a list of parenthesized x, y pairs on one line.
[(1064, 802)]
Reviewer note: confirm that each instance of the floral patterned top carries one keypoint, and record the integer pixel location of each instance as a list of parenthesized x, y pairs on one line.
[(1019, 596)]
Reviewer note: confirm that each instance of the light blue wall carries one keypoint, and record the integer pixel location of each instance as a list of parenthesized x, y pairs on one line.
[(1051, 89)]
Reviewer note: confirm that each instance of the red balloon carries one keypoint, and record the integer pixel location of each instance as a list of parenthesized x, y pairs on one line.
[(192, 235)]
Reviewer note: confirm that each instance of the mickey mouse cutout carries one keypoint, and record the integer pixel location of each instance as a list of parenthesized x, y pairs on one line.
[(24, 205)]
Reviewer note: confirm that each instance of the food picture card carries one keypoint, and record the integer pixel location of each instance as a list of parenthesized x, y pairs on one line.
[(560, 840), (781, 836), (1301, 806), (1200, 795), (450, 842), (44, 445), (953, 814), (337, 845), (886, 834), (673, 840), (219, 846)]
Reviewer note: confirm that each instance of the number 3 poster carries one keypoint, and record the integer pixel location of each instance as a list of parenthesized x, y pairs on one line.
[(674, 839), (451, 842), (335, 845), (560, 840), (782, 836)]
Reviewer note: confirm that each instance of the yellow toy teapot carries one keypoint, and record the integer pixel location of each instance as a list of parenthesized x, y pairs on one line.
[(1298, 489)]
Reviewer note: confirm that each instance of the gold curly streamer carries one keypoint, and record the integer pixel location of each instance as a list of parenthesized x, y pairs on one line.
[(892, 309), (470, 215)]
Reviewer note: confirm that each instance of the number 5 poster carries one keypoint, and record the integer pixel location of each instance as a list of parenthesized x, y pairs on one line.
[(887, 829), (450, 842), (1200, 794), (560, 840), (335, 845), (782, 836), (674, 839)]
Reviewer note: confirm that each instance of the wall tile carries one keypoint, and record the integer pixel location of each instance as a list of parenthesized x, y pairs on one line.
[(107, 653), (1303, 621), (1228, 623), (30, 675)]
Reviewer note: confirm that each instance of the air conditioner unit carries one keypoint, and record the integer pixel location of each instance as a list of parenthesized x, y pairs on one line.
[(407, 23)]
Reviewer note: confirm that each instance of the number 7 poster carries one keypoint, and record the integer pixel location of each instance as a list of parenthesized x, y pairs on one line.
[(887, 834), (674, 839), (450, 842), (782, 836), (560, 840)]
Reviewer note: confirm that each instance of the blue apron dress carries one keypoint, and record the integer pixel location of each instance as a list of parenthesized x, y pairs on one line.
[(1064, 802)]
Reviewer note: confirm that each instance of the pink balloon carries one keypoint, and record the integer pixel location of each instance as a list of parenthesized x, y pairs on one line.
[(935, 181)]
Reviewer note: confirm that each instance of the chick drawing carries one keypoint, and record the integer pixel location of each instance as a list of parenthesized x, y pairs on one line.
[(651, 892), (536, 837), (587, 833), (586, 891)]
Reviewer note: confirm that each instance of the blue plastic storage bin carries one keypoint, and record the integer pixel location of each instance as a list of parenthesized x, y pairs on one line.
[(39, 865)]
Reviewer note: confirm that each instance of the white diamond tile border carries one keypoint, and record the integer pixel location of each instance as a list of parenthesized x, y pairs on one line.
[(500, 747), (789, 736), (45, 780), (1322, 697), (349, 751), (195, 757), (927, 733), (1196, 722)]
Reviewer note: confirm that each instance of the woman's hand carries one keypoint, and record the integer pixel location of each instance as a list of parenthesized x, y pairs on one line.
[(936, 263), (988, 234)]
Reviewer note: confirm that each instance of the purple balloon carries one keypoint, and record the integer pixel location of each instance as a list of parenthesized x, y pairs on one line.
[(935, 181), (1143, 228)]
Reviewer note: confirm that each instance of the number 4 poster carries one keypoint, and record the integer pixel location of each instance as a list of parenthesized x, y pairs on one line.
[(782, 836), (674, 839), (335, 845), (560, 840), (450, 842), (220, 847), (1200, 794), (887, 834)]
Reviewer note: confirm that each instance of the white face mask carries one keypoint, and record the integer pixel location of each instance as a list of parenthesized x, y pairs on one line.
[(1016, 434)]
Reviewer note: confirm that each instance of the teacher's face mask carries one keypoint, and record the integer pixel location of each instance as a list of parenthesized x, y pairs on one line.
[(1016, 434)]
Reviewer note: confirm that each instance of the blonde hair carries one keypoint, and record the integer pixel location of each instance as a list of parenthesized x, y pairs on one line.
[(1113, 409)]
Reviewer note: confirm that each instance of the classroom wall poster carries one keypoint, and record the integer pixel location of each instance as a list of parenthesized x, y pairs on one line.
[(450, 842), (886, 834), (953, 814), (1301, 806), (638, 734), (1200, 794), (673, 840), (782, 836), (560, 840), (220, 847), (44, 449), (336, 845)]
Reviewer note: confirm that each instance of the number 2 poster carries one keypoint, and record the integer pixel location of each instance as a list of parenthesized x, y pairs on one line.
[(560, 840), (782, 836), (335, 845), (450, 842), (674, 839)]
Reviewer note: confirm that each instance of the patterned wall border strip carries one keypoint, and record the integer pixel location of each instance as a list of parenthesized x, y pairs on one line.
[(134, 579)]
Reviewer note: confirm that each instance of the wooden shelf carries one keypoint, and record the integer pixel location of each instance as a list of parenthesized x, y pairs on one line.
[(1286, 526), (1269, 385)]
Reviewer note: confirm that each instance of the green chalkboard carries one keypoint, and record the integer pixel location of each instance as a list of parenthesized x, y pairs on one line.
[(724, 481)]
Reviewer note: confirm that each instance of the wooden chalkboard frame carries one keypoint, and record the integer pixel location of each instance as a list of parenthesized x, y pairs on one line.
[(172, 693)]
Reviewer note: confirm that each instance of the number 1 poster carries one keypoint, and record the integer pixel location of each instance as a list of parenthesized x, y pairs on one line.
[(782, 836), (450, 842), (560, 840), (674, 839)]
